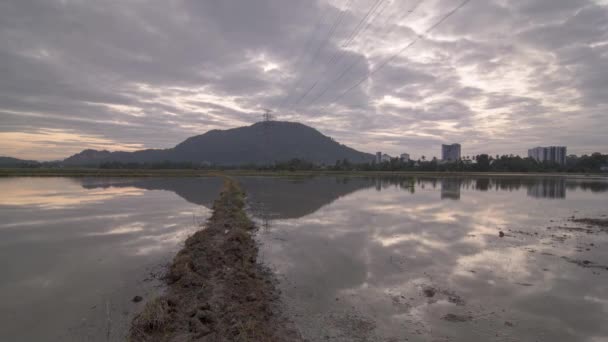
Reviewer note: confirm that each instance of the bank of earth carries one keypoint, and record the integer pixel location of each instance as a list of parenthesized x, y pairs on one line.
[(216, 289)]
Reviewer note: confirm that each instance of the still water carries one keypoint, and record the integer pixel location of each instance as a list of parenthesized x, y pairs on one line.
[(397, 260), (74, 252), (358, 259)]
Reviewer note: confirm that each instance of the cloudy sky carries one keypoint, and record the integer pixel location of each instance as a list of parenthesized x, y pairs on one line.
[(497, 76)]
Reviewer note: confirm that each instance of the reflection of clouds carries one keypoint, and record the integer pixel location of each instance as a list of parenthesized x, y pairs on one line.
[(65, 220), (374, 250), (510, 263), (164, 234), (153, 244), (603, 301), (431, 212), (58, 194), (129, 228), (420, 239), (96, 245)]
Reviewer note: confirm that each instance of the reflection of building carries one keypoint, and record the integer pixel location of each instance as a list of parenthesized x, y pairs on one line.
[(482, 184), (450, 152), (548, 188), (450, 188), (554, 154), (405, 157)]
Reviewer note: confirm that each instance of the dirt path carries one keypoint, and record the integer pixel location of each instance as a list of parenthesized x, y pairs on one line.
[(216, 289)]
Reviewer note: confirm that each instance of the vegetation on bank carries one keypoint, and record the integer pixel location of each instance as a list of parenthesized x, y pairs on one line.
[(479, 163), (595, 163)]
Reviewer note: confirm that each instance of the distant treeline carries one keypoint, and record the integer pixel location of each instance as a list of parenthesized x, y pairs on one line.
[(479, 163), (504, 163)]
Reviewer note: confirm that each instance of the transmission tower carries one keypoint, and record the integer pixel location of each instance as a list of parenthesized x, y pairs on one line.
[(267, 116)]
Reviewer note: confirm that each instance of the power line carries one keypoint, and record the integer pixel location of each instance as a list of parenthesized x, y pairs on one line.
[(356, 31), (356, 61), (363, 20), (301, 55), (338, 54), (407, 14), (332, 30), (418, 38), (304, 95)]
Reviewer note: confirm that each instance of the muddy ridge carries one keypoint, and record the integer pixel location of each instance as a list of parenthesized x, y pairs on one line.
[(216, 289)]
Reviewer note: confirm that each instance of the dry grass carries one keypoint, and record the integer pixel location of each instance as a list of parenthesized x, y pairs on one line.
[(151, 323)]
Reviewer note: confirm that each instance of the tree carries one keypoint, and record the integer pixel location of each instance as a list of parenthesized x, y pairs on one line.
[(483, 162)]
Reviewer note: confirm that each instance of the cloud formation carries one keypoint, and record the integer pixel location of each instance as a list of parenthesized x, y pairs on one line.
[(498, 76)]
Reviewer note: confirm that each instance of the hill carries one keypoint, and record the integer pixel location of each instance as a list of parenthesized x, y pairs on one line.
[(14, 162), (260, 143)]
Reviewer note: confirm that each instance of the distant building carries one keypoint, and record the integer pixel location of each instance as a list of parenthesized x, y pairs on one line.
[(378, 157), (555, 154), (405, 157), (386, 158), (604, 168), (450, 153)]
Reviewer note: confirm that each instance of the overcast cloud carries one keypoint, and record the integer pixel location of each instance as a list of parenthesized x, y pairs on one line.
[(499, 76)]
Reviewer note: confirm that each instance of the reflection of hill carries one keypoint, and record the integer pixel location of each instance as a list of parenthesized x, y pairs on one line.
[(281, 198), (275, 198), (201, 191)]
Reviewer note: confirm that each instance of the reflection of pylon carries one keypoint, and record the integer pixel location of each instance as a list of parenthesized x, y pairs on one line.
[(266, 223), (264, 215)]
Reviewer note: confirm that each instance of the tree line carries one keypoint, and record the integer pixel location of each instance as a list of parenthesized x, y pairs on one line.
[(479, 163)]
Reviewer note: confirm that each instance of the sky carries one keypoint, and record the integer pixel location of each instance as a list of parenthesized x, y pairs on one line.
[(496, 76)]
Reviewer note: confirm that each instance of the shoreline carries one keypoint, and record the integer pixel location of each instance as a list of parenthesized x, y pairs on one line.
[(84, 172), (216, 289)]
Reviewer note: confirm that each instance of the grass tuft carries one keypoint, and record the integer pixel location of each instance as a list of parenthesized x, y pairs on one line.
[(151, 323)]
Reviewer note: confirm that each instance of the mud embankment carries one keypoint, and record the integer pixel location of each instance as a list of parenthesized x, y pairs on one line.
[(216, 289)]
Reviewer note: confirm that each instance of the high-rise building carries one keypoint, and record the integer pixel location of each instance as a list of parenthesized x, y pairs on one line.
[(450, 152), (405, 157), (555, 154), (378, 157)]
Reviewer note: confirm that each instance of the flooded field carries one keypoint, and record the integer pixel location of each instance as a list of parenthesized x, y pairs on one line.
[(358, 259), (452, 259), (75, 252)]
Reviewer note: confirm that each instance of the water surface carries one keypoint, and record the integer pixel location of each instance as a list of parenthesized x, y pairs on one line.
[(74, 252), (392, 259), (358, 259)]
